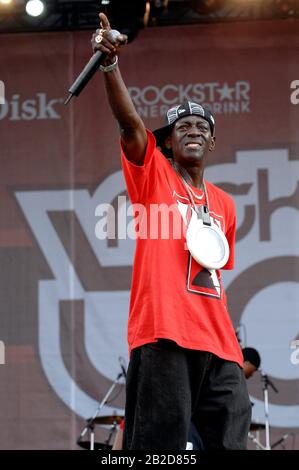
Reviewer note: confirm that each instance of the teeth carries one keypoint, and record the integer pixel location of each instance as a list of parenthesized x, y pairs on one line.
[(193, 145)]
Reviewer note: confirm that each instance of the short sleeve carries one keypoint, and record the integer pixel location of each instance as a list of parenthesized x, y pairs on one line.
[(141, 179)]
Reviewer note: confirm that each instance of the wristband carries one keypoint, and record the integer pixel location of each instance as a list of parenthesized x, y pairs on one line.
[(110, 67)]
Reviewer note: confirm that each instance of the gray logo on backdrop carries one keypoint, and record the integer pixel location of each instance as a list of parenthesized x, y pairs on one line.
[(2, 92), (2, 353), (294, 97)]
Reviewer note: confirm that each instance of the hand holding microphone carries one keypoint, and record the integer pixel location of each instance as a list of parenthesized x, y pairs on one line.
[(107, 41), (105, 44)]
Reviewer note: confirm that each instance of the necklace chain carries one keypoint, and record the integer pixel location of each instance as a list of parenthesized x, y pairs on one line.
[(178, 170)]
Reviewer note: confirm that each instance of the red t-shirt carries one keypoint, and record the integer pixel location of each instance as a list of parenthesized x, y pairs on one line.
[(172, 296)]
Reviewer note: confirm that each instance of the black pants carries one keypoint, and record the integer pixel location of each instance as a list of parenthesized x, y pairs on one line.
[(168, 385)]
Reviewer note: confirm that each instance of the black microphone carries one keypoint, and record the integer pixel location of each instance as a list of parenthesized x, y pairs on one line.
[(121, 363), (89, 70), (267, 381)]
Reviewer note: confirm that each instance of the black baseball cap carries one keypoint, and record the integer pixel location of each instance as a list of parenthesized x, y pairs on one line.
[(177, 112)]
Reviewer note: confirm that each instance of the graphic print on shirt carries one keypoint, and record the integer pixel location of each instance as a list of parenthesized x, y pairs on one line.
[(199, 280)]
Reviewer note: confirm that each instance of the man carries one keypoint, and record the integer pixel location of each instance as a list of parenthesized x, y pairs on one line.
[(252, 361), (185, 361)]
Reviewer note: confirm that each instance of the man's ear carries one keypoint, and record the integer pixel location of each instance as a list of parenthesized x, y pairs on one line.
[(212, 144), (167, 142)]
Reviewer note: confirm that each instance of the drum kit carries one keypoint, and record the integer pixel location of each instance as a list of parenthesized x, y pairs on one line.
[(255, 438), (112, 421)]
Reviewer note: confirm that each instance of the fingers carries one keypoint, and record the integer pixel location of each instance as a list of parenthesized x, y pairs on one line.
[(101, 43), (104, 21), (122, 39), (104, 40)]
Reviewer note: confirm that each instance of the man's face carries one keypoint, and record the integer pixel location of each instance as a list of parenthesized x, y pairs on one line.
[(190, 140), (249, 369)]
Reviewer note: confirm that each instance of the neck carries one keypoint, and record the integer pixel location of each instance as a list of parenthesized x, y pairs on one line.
[(193, 174)]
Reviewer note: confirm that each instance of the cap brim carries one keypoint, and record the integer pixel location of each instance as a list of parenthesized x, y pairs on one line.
[(161, 134)]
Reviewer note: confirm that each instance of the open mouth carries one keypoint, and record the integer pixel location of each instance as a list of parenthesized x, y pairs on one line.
[(193, 145)]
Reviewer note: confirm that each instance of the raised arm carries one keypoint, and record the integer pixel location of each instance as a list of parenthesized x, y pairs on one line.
[(132, 129)]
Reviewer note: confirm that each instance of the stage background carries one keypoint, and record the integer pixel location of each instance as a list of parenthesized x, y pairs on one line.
[(64, 293)]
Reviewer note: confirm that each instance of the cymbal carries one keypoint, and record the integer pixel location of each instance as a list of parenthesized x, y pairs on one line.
[(257, 426), (114, 419), (97, 445)]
